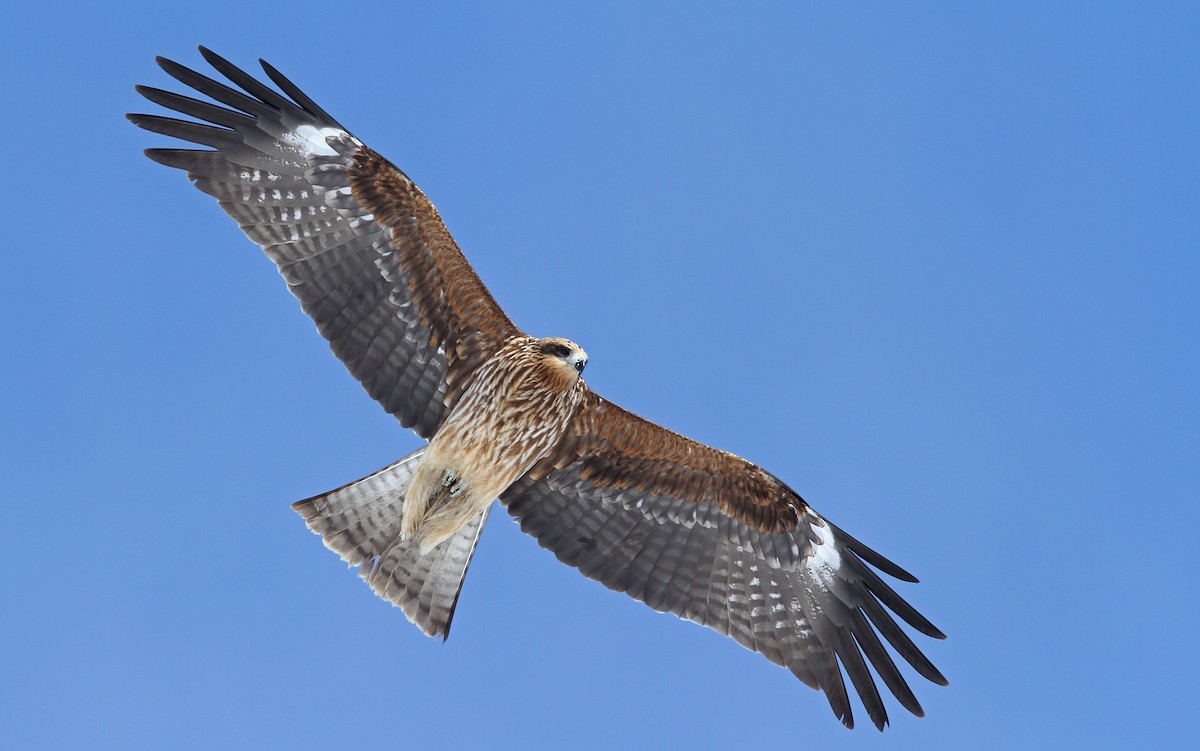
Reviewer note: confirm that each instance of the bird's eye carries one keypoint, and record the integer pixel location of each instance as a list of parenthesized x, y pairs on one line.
[(561, 350)]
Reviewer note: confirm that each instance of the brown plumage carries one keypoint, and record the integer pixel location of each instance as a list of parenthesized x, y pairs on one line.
[(516, 409), (681, 526)]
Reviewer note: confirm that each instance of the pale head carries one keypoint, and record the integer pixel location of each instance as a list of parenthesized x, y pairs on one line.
[(563, 354)]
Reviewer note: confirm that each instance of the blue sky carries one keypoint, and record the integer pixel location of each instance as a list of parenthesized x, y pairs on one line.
[(936, 267)]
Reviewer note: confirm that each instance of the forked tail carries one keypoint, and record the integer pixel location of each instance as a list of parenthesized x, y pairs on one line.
[(361, 522)]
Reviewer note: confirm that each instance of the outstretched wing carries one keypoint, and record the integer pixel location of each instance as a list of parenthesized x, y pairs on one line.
[(356, 240), (710, 537)]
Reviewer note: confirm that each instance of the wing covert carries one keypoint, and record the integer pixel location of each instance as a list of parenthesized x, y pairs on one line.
[(357, 242)]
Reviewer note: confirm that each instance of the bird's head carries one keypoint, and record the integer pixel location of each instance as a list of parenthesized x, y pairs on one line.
[(563, 353)]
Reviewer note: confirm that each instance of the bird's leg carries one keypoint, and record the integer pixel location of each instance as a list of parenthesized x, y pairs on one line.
[(437, 505)]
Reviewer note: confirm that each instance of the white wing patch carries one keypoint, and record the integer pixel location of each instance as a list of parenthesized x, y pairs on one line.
[(314, 141), (825, 558)]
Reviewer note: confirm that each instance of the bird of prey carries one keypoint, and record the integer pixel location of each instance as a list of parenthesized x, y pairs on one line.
[(678, 525)]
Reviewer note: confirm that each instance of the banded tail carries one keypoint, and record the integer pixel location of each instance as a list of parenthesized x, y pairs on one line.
[(362, 523)]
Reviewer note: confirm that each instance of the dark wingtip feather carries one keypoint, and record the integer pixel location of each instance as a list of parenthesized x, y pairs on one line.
[(874, 558), (162, 156), (929, 629), (884, 666), (251, 85), (186, 130), (296, 94), (844, 714), (195, 108), (897, 604), (860, 676), (189, 160)]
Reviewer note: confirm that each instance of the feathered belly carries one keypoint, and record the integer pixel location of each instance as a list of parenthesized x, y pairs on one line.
[(493, 436)]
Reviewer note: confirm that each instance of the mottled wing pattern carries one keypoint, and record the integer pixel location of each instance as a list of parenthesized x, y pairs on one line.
[(655, 515), (358, 243)]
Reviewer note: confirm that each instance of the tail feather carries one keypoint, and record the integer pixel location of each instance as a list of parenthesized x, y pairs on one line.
[(362, 523), (426, 586), (360, 520)]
